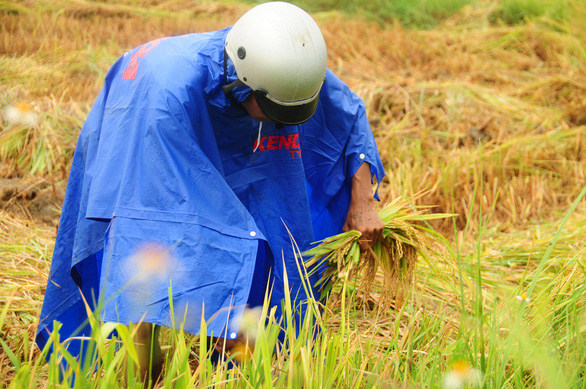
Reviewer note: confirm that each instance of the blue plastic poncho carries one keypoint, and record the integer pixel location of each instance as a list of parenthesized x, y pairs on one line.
[(164, 156)]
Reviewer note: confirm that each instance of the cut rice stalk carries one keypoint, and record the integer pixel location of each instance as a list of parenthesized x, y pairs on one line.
[(395, 256)]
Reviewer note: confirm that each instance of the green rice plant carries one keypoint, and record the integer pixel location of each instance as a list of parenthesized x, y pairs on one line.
[(414, 13), (395, 255), (520, 11), (421, 13)]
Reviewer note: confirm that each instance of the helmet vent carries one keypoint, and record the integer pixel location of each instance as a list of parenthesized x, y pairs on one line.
[(241, 52)]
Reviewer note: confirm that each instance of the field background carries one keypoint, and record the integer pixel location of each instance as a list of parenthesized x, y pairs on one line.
[(481, 104)]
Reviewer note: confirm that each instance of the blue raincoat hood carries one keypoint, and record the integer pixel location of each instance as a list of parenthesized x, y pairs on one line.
[(165, 157)]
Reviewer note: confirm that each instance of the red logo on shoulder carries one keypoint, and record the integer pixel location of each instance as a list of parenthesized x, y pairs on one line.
[(130, 71)]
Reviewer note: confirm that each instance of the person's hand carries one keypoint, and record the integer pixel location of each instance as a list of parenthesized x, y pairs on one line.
[(361, 215)]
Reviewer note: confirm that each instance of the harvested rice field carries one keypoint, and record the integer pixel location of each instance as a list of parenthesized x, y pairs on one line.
[(478, 108)]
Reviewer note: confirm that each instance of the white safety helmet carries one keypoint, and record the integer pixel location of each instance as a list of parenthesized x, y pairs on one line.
[(279, 52)]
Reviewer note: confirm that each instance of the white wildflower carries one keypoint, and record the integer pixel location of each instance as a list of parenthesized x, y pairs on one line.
[(461, 374), (21, 114)]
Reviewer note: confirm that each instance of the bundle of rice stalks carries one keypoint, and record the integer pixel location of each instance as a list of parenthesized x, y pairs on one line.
[(394, 257)]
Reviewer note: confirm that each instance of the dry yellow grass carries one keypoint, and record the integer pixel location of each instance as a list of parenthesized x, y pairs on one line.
[(432, 97), (72, 44), (25, 251)]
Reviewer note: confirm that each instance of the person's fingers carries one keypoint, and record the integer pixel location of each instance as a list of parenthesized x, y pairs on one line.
[(379, 234), (364, 244)]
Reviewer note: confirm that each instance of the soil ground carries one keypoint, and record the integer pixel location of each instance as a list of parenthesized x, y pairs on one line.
[(31, 197)]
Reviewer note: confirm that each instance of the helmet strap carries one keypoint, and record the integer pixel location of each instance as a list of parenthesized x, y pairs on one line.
[(258, 138), (227, 88)]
